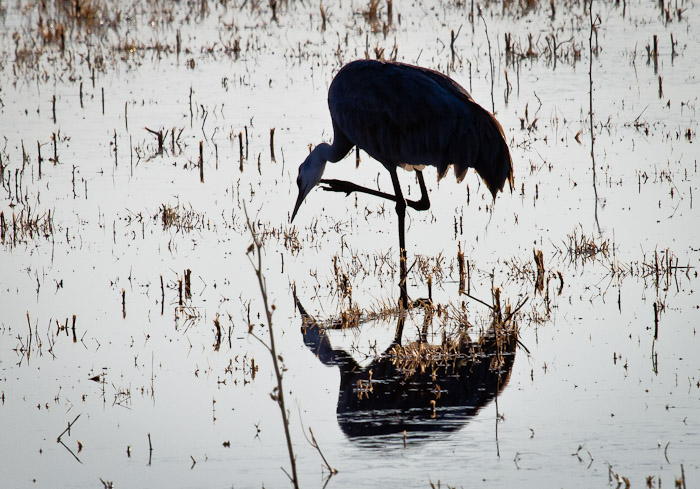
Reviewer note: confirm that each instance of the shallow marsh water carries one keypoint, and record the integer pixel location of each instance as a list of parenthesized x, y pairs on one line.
[(597, 398)]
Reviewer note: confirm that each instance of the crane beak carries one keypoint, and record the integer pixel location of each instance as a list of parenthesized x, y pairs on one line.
[(300, 199)]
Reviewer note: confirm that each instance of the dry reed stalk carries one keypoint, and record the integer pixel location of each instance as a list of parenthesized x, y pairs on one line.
[(278, 393)]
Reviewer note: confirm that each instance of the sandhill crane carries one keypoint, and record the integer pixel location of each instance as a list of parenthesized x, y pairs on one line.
[(407, 116)]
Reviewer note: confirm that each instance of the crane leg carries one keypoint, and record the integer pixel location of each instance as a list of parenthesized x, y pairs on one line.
[(401, 213), (332, 185), (424, 203)]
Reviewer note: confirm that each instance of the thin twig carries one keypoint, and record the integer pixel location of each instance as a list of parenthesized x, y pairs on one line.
[(590, 108), (488, 41), (279, 396), (517, 308), (58, 440), (70, 451), (314, 444), (478, 300), (510, 315), (67, 429)]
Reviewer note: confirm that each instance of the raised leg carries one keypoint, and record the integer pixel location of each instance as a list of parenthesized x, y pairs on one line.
[(401, 213), (332, 185)]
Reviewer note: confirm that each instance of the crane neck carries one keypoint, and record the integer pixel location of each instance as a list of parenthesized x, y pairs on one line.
[(330, 152)]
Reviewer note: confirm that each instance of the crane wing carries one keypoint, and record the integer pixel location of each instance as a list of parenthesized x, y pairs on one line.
[(403, 114), (399, 114)]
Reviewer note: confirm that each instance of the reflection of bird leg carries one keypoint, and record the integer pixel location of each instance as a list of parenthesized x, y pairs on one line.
[(399, 331), (347, 188), (401, 213)]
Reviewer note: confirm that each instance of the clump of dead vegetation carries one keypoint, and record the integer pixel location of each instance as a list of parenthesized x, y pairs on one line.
[(56, 26), (63, 37), (663, 269), (20, 222), (419, 357), (25, 226), (374, 13), (580, 249), (498, 329), (181, 218)]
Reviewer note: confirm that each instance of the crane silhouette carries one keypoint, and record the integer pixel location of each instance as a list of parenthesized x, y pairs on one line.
[(409, 117)]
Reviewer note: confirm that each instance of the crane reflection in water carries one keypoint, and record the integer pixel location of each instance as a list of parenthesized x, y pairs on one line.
[(419, 388)]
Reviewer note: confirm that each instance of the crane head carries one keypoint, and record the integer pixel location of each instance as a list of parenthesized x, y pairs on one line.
[(310, 173)]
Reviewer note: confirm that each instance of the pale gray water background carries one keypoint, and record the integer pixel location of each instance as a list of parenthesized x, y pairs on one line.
[(595, 378)]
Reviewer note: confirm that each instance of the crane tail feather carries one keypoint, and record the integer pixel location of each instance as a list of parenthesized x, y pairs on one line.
[(492, 160)]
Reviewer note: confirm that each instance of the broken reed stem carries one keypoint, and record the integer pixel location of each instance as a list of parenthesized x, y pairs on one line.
[(469, 273), (539, 277), (201, 162), (161, 138), (55, 149), (29, 341), (279, 397), (191, 114), (162, 296), (38, 149), (683, 477), (2, 172), (462, 272), (240, 150), (471, 19), (217, 339), (188, 284), (656, 320), (70, 425)]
